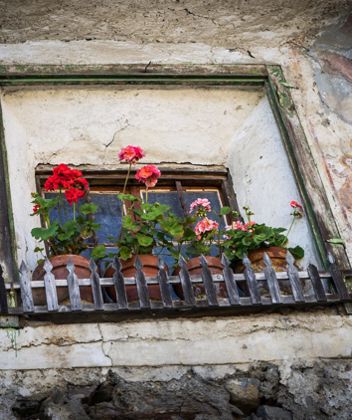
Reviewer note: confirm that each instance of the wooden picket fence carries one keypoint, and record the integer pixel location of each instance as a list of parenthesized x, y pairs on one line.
[(249, 291)]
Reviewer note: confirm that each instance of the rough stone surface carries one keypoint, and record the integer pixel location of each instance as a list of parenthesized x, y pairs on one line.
[(316, 391), (244, 393), (226, 22)]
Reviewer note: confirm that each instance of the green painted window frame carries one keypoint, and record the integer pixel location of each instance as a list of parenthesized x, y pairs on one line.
[(269, 77)]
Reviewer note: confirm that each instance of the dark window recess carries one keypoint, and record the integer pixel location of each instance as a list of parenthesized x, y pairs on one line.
[(176, 189)]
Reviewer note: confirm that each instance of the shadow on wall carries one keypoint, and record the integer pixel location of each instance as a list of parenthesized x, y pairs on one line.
[(263, 179)]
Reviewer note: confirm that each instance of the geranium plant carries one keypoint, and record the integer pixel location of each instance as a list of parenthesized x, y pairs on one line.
[(70, 236), (244, 236), (206, 230), (140, 232)]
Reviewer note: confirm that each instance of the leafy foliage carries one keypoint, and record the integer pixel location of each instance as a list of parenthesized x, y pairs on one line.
[(142, 227), (64, 238)]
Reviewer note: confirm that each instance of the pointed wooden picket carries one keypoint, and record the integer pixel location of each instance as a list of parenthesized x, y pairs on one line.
[(231, 286), (294, 279), (250, 277), (96, 287), (26, 290), (3, 295), (209, 286), (50, 287), (271, 279), (164, 285), (186, 283), (141, 283), (119, 284), (73, 287)]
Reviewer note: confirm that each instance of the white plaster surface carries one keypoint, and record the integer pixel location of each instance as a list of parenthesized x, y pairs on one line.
[(206, 341), (263, 179), (327, 142), (200, 126)]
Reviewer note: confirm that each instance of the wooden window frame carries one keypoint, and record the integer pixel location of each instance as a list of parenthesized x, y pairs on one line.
[(269, 77), (176, 178)]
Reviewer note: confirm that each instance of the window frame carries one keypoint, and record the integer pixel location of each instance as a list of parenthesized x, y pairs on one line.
[(184, 177), (269, 77)]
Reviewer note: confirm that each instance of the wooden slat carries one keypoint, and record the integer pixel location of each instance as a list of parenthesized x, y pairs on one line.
[(50, 287), (3, 295), (73, 287), (119, 284), (337, 278), (26, 290), (231, 286), (316, 283), (141, 283), (186, 283), (208, 283), (293, 276), (164, 285), (252, 283), (271, 279), (96, 288)]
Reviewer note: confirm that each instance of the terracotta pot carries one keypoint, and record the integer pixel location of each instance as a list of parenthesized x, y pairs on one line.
[(194, 267), (150, 265), (278, 259), (60, 271), (276, 254)]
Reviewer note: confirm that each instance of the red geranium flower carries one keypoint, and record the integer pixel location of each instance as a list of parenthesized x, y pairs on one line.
[(63, 171), (131, 154), (295, 205), (73, 195), (81, 183), (63, 178), (36, 208), (148, 175)]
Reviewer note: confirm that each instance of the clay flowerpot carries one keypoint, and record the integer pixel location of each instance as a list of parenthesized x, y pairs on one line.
[(150, 268), (276, 254), (59, 263), (194, 267)]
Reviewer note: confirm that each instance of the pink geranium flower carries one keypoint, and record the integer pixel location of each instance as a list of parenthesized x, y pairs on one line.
[(148, 175), (205, 225), (202, 203), (131, 154), (238, 225)]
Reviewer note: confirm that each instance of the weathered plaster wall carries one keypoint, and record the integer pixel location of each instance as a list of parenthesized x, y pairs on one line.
[(205, 341), (90, 125), (297, 363)]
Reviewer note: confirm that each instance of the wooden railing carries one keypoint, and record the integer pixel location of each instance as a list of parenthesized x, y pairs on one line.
[(249, 291)]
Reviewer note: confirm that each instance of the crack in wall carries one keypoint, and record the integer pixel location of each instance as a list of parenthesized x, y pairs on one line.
[(105, 353)]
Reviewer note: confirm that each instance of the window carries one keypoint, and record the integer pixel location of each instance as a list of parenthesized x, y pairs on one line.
[(177, 188)]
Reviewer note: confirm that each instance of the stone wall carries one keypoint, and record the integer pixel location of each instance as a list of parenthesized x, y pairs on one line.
[(268, 365)]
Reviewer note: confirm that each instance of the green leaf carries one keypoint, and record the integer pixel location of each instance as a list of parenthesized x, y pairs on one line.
[(225, 210), (44, 233), (38, 249), (125, 253), (127, 197), (88, 208), (336, 241), (144, 240), (297, 252), (99, 252), (128, 224)]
